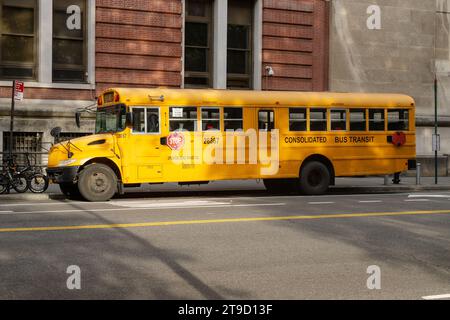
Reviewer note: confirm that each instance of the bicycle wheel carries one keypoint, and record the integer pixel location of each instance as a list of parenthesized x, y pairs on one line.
[(4, 183), (20, 183), (38, 183)]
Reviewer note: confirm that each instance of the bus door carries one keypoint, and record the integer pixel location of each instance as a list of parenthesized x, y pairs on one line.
[(145, 143), (266, 123)]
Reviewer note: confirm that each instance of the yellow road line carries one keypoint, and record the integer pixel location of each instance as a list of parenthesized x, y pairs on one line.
[(216, 221)]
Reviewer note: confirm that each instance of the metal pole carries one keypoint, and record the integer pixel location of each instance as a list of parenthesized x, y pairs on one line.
[(435, 128), (11, 126), (418, 173)]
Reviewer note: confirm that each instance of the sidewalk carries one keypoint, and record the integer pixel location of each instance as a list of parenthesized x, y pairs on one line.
[(343, 186)]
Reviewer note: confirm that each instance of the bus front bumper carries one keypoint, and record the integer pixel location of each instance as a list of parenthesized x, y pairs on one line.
[(63, 174)]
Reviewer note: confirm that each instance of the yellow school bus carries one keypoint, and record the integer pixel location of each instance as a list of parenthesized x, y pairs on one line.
[(293, 141)]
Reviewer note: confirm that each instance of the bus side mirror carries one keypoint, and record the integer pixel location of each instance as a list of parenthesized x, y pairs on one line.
[(78, 119), (129, 119)]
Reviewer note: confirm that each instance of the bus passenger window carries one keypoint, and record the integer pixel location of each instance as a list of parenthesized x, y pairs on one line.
[(358, 120), (152, 120), (338, 120), (139, 120), (297, 119), (266, 121), (233, 119), (398, 120), (183, 119), (376, 120), (210, 119), (318, 119)]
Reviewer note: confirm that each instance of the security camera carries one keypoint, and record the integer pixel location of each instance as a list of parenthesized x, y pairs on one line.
[(269, 71)]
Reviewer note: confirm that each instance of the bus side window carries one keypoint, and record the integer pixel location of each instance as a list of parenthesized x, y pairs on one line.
[(338, 120), (266, 120), (233, 119), (376, 120), (153, 120), (318, 119), (210, 119), (297, 119), (183, 119), (398, 120), (138, 120), (358, 120)]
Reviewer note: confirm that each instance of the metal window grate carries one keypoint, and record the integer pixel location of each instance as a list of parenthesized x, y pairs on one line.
[(24, 142)]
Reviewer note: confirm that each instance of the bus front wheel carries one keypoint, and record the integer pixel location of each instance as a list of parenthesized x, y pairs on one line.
[(315, 178), (97, 182)]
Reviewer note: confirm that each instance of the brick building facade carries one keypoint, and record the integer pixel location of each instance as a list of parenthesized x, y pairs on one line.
[(142, 43)]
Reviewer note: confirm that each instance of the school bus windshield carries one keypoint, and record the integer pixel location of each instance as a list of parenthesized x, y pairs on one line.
[(110, 119)]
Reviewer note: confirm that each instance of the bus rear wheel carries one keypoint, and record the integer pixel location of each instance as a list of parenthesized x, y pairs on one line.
[(315, 178), (97, 182)]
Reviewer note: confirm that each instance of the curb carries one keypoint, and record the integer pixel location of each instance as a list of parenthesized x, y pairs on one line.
[(31, 196), (386, 189), (333, 190)]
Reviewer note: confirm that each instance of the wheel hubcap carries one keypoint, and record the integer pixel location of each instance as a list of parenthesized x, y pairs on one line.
[(99, 182)]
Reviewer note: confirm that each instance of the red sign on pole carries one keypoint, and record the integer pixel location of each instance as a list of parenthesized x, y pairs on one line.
[(18, 90)]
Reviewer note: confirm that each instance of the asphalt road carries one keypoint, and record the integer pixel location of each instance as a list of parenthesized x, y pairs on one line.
[(229, 245)]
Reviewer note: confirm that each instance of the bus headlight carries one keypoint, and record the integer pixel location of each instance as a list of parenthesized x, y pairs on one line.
[(65, 163)]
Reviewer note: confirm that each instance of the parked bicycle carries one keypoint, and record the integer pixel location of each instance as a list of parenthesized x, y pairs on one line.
[(10, 178), (36, 180), (23, 178)]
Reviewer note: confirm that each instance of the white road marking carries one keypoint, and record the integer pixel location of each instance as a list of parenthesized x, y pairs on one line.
[(428, 196), (319, 203), (417, 200), (5, 212), (159, 204), (146, 208), (42, 203), (437, 297), (371, 201)]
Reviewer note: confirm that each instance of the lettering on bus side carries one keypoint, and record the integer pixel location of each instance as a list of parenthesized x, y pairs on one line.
[(324, 140), (305, 140), (354, 139)]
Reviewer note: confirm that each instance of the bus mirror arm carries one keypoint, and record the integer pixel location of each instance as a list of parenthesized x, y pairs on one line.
[(78, 119)]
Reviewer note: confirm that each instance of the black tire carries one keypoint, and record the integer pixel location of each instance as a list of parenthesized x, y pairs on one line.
[(97, 182), (20, 183), (70, 190), (4, 183), (315, 178), (38, 183)]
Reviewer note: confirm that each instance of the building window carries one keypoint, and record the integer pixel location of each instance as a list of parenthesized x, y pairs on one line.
[(239, 42), (197, 39), (69, 45), (24, 143), (18, 50)]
